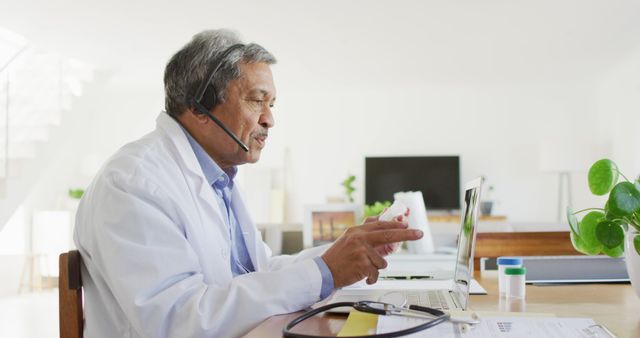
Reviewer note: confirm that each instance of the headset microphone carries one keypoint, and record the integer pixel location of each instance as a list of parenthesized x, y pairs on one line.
[(204, 110), (206, 97)]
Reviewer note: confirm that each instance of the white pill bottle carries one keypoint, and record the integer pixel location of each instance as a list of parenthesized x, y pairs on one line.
[(515, 282), (503, 263)]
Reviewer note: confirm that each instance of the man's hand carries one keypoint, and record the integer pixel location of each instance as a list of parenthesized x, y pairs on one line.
[(354, 255), (389, 248)]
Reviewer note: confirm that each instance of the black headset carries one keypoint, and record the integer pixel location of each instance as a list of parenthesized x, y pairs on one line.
[(207, 97)]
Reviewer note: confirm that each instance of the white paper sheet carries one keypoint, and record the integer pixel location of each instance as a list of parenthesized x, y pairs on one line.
[(475, 287), (498, 327)]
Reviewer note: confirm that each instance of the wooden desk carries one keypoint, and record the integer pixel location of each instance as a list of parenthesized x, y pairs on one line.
[(614, 305)]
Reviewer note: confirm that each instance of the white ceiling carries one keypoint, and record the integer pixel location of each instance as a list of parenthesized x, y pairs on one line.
[(408, 42)]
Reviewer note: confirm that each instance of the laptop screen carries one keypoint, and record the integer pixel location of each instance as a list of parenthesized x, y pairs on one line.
[(466, 242)]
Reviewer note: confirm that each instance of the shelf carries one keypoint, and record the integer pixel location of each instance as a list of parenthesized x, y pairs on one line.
[(456, 218)]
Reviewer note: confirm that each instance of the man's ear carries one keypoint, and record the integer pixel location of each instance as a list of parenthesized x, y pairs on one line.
[(197, 117)]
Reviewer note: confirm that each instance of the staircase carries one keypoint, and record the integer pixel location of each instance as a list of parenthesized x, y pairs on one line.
[(36, 89)]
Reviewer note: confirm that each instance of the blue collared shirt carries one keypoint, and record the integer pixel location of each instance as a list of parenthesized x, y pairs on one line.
[(222, 184)]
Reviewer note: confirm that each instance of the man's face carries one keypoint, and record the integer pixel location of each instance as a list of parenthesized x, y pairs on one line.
[(246, 111)]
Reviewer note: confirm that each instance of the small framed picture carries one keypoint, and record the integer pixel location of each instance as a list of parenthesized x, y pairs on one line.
[(324, 223)]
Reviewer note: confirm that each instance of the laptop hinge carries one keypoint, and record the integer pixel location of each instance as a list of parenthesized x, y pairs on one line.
[(456, 301)]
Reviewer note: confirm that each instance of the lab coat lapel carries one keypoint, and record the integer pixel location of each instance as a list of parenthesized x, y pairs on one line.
[(252, 239), (193, 173)]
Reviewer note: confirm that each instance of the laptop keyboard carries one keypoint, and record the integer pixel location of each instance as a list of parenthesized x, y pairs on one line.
[(432, 298)]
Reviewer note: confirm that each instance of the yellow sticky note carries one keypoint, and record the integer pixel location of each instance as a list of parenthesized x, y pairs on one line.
[(359, 324)]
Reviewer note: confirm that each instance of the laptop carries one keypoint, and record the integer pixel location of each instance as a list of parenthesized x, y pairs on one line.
[(455, 297), (575, 269)]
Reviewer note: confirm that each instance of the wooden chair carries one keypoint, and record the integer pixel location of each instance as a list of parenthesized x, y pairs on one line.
[(70, 295), (496, 244)]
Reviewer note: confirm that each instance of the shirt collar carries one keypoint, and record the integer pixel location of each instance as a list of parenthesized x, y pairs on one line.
[(212, 171)]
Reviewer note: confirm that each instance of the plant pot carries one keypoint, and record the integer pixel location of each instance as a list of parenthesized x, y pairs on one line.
[(633, 260), (485, 208)]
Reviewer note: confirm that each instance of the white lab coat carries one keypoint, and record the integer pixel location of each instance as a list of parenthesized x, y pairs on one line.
[(156, 250)]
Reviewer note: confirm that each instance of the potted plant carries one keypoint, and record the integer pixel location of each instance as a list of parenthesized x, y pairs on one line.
[(603, 230), (76, 194), (376, 208), (348, 187), (486, 205)]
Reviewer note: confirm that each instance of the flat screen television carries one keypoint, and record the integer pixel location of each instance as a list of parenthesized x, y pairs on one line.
[(438, 177)]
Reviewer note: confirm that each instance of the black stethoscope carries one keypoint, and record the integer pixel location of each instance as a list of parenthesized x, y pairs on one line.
[(436, 317)]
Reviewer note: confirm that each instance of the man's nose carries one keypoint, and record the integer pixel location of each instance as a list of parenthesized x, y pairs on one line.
[(266, 119)]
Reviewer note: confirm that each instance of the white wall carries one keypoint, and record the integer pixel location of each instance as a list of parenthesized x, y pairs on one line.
[(496, 129), (490, 81), (101, 121), (619, 107)]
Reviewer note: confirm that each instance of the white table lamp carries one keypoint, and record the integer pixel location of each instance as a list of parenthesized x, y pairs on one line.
[(563, 157)]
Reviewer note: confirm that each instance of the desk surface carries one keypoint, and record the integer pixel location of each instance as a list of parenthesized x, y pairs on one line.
[(614, 305)]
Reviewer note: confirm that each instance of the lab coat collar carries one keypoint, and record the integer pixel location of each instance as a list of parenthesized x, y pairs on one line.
[(179, 139), (212, 171), (173, 130)]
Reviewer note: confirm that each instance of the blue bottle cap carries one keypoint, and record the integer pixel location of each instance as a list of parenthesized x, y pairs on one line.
[(509, 260)]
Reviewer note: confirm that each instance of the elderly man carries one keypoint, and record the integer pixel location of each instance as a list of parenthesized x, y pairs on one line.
[(168, 246)]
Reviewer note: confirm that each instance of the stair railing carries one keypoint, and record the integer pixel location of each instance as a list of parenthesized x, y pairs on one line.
[(4, 69)]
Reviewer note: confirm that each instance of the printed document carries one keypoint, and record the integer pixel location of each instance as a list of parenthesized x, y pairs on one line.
[(499, 327)]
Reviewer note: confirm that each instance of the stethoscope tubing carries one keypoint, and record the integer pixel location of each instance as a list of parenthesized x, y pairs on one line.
[(439, 317), (418, 314)]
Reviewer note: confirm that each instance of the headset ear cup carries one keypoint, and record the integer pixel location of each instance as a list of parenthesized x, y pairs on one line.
[(209, 98)]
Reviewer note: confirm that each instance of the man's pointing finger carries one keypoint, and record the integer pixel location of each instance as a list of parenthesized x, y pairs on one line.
[(381, 237)]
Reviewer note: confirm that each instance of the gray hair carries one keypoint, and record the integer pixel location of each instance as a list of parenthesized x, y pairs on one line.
[(187, 69)]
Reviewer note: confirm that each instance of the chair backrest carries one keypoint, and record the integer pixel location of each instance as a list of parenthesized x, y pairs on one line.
[(70, 295)]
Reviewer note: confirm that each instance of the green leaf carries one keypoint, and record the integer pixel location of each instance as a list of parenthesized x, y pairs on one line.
[(376, 208), (581, 246), (636, 243), (348, 185), (610, 234), (603, 175), (637, 185), (615, 252), (573, 221), (607, 212), (588, 227), (76, 193), (624, 199)]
